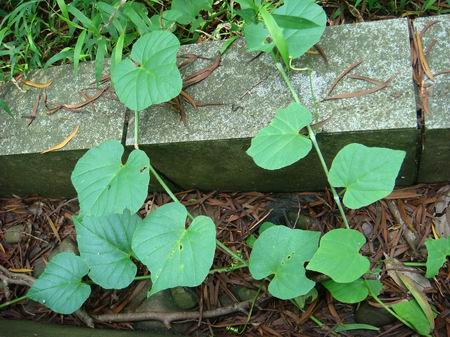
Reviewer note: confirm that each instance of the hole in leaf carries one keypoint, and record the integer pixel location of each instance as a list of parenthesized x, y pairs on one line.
[(180, 247), (143, 169)]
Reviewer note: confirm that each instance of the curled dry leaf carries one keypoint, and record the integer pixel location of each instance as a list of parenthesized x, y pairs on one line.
[(64, 142), (38, 85), (395, 268)]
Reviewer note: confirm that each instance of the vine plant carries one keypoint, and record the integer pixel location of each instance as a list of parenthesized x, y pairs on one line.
[(177, 248)]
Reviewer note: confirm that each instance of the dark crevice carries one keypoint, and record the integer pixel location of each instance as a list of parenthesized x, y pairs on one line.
[(419, 112), (125, 127)]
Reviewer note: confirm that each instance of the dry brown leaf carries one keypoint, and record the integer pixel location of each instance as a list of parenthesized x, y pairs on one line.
[(20, 270), (394, 267), (37, 84), (64, 142)]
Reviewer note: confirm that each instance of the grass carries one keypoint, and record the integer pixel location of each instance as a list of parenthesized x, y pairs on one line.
[(40, 33)]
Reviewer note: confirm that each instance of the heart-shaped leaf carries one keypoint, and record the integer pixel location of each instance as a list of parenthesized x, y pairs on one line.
[(256, 37), (367, 173), (59, 287), (438, 250), (280, 144), (175, 256), (105, 245), (105, 185), (282, 251), (299, 41), (338, 256), (150, 76), (189, 9), (353, 292)]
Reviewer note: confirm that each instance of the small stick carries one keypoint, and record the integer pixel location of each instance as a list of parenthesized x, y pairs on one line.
[(168, 317)]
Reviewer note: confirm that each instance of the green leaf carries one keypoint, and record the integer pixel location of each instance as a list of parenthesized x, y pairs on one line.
[(282, 251), (175, 256), (311, 296), (410, 311), (338, 256), (353, 292), (354, 326), (299, 41), (276, 34), (265, 226), (294, 22), (367, 173), (189, 9), (151, 76), (256, 36), (438, 250), (105, 185), (60, 287), (280, 144), (4, 106), (105, 245), (77, 52)]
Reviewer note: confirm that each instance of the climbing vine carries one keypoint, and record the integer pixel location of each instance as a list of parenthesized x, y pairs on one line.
[(177, 248)]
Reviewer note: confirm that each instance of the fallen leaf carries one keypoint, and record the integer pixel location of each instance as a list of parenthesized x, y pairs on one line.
[(37, 84), (395, 267), (64, 142), (341, 76), (20, 270)]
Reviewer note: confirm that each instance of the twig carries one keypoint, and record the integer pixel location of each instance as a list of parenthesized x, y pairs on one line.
[(168, 317)]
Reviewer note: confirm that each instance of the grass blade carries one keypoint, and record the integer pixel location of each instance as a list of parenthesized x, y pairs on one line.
[(63, 54), (355, 326), (5, 107), (77, 52), (117, 51), (63, 8), (87, 23), (99, 60)]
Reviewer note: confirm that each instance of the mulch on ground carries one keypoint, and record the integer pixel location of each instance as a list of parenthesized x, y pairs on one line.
[(418, 209)]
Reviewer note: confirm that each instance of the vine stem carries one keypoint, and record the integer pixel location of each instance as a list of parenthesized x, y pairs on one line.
[(166, 188), (380, 302), (312, 137), (136, 129), (18, 299)]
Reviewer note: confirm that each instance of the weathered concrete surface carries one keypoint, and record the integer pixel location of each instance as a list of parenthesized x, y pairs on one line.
[(23, 170), (435, 158), (209, 152), (10, 328)]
